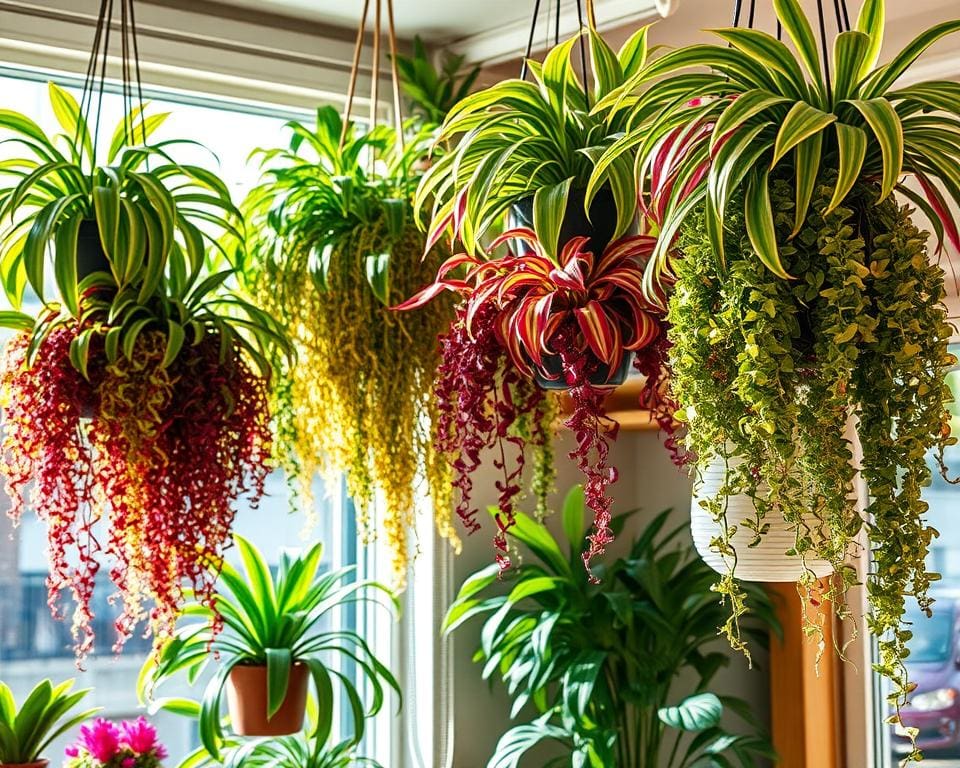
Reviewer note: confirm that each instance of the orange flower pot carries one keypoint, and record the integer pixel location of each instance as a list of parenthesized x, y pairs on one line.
[(36, 764), (247, 701)]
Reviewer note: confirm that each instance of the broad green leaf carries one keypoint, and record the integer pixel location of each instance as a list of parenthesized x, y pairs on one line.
[(801, 122), (279, 663), (797, 27), (695, 713), (377, 267), (885, 124), (768, 52), (850, 49), (67, 112), (65, 263), (852, 149), (878, 83), (741, 109), (759, 220), (871, 23), (807, 168), (175, 338), (574, 519), (549, 210)]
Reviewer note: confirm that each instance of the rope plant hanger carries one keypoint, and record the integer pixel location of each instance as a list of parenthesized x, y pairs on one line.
[(334, 245), (134, 409)]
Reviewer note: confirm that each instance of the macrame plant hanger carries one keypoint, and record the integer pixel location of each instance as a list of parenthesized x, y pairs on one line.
[(591, 23), (94, 82), (380, 5)]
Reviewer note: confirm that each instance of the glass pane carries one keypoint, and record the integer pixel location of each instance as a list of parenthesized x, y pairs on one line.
[(934, 663), (33, 645)]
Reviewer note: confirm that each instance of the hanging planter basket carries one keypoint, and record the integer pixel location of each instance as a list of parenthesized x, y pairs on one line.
[(550, 374), (91, 256), (600, 226), (767, 560), (247, 701)]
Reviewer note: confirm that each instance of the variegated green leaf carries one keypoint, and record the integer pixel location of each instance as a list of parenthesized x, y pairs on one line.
[(885, 124), (759, 221), (852, 149)]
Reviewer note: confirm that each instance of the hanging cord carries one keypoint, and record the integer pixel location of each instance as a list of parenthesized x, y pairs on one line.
[(354, 70), (533, 31), (136, 66), (395, 76), (583, 53), (103, 79)]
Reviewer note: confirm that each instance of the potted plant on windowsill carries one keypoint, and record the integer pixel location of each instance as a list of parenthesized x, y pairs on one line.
[(271, 643), (528, 149), (572, 322), (594, 668), (332, 244), (138, 396), (804, 293), (47, 713)]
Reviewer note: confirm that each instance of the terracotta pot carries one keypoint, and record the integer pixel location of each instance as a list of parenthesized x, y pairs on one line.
[(550, 375), (765, 562), (37, 764), (247, 701)]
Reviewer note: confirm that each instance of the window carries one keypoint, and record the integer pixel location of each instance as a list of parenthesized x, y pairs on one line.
[(934, 662), (32, 644)]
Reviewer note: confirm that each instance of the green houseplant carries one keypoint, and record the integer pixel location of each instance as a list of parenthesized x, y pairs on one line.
[(332, 245), (274, 639), (803, 294), (306, 749), (138, 394), (432, 92), (48, 712), (529, 148), (598, 663)]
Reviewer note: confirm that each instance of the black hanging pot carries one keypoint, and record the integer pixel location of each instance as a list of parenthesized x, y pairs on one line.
[(600, 226), (91, 256), (550, 374)]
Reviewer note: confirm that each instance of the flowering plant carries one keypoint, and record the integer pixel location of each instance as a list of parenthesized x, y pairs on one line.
[(104, 744), (528, 317)]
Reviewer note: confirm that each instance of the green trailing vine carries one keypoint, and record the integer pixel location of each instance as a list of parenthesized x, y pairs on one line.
[(776, 368)]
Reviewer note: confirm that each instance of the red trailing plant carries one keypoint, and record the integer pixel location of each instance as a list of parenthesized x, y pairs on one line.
[(134, 467), (530, 316)]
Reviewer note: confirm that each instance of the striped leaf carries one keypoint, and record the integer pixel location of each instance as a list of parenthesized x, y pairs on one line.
[(871, 22), (807, 169), (885, 124), (798, 29), (549, 209), (852, 149), (759, 221), (801, 122)]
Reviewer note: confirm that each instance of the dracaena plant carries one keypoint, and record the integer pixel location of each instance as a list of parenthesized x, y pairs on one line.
[(332, 244), (139, 395), (595, 670), (48, 712), (575, 320), (804, 293), (431, 91), (275, 619), (517, 140)]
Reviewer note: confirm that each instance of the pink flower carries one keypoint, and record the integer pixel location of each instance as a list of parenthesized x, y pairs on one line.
[(141, 738), (72, 751), (101, 740), (129, 762)]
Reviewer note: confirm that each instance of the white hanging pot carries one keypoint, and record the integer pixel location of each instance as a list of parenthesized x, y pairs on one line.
[(767, 560)]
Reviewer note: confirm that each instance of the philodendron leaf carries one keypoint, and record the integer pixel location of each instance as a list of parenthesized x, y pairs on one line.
[(378, 275), (574, 525), (695, 713)]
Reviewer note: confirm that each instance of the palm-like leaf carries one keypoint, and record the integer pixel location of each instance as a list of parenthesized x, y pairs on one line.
[(268, 618), (47, 712), (517, 138), (799, 123), (589, 658)]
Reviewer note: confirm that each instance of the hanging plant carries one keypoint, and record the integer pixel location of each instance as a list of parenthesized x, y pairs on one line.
[(431, 92), (332, 246), (529, 322), (528, 149), (804, 291), (134, 408)]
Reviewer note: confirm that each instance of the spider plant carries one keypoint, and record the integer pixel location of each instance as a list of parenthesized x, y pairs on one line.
[(431, 91), (47, 713), (275, 621), (519, 140)]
